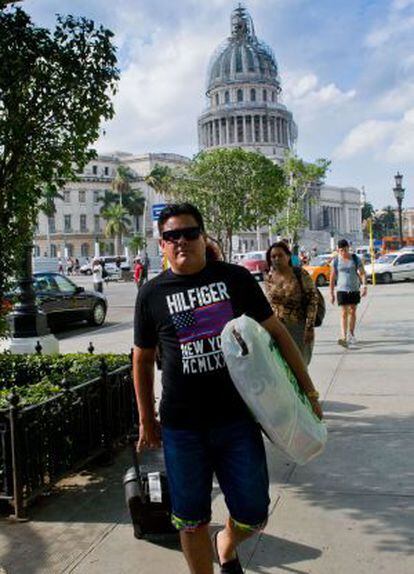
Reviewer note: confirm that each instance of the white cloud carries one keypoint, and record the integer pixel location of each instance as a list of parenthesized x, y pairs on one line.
[(306, 96), (388, 140), (368, 135)]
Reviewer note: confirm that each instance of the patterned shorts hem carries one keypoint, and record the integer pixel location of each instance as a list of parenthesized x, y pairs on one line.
[(187, 525), (249, 527)]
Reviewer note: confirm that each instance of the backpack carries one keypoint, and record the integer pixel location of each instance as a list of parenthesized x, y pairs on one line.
[(355, 259), (321, 309), (104, 273)]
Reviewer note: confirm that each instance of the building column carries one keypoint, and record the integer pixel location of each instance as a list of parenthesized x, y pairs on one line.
[(244, 130), (261, 129), (227, 127)]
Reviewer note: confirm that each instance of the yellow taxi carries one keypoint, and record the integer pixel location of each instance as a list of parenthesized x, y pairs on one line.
[(319, 268)]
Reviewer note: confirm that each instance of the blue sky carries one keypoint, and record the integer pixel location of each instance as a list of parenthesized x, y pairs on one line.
[(347, 70)]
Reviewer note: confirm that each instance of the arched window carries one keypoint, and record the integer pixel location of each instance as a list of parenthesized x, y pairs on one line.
[(217, 99), (85, 249), (273, 96), (53, 250), (265, 95), (239, 95), (252, 95), (227, 97)]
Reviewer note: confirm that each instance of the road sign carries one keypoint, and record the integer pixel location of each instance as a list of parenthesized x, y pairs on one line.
[(156, 210)]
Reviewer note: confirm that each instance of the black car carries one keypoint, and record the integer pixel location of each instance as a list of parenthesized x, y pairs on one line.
[(62, 301)]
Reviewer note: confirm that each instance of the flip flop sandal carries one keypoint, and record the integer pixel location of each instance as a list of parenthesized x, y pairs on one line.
[(230, 567)]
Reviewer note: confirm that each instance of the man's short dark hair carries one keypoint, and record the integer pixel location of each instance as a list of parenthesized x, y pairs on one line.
[(342, 244), (175, 209)]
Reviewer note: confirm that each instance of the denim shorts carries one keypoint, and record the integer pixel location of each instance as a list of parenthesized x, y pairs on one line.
[(236, 454)]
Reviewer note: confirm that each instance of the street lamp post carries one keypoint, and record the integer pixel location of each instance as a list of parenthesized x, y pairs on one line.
[(399, 196)]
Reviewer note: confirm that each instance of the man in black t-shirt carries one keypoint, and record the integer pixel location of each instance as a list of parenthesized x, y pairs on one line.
[(205, 426)]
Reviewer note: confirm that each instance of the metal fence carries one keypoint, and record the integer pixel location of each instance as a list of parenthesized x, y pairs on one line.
[(41, 443)]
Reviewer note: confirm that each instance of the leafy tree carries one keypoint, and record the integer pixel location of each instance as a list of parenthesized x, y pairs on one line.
[(302, 179), (117, 224), (55, 88), (235, 190), (161, 179), (123, 193), (367, 211), (137, 243)]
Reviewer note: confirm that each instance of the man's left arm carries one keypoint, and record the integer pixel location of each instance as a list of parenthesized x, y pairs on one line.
[(292, 355), (363, 278)]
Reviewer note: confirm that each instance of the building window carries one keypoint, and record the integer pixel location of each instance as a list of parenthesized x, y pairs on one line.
[(66, 196), (51, 224), (96, 224), (85, 250), (273, 96), (239, 129), (68, 223), (253, 95), (36, 251), (265, 95), (239, 95), (227, 97), (82, 196), (256, 128), (53, 250), (96, 196), (95, 170), (217, 100), (69, 249), (106, 170), (83, 226)]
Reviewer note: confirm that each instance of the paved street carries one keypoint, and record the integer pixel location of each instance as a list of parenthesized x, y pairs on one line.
[(351, 511)]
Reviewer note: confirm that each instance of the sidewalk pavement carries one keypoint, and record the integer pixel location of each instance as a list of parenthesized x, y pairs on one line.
[(348, 512)]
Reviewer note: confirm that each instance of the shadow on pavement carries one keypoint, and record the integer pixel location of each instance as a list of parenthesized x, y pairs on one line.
[(366, 472), (274, 552)]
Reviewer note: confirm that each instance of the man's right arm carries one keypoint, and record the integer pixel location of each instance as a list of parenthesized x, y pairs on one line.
[(332, 279), (143, 372)]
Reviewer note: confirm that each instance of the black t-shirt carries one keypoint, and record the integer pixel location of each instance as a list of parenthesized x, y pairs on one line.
[(185, 315)]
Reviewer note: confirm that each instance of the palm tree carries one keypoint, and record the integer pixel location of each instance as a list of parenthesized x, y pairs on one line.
[(136, 243), (117, 224), (160, 179), (48, 207), (121, 182)]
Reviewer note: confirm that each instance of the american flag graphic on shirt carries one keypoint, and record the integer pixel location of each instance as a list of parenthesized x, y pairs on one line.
[(202, 322)]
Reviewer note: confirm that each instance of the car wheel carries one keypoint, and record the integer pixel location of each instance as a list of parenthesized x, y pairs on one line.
[(320, 280), (88, 272), (386, 278), (98, 315)]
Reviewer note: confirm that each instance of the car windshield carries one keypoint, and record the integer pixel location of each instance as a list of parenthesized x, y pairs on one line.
[(389, 258), (255, 256), (319, 261)]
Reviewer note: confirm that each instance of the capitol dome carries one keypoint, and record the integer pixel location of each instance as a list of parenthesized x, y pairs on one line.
[(242, 57), (243, 92)]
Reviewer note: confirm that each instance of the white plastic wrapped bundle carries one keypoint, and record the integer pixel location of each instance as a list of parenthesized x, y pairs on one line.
[(270, 390)]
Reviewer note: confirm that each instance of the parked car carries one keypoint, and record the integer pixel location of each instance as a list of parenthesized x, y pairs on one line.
[(390, 267), (62, 301), (110, 262), (255, 262), (319, 268)]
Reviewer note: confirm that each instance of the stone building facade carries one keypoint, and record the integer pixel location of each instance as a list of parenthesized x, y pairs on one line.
[(77, 227), (245, 109)]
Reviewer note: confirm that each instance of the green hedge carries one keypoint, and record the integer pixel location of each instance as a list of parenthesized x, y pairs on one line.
[(39, 377)]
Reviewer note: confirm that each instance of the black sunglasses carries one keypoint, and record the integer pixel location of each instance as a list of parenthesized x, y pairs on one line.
[(189, 233)]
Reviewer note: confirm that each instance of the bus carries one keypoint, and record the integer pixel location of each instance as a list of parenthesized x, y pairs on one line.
[(392, 243)]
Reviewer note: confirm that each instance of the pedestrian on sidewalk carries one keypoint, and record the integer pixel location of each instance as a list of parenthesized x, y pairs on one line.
[(293, 297), (347, 272), (205, 426), (97, 274), (138, 272)]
